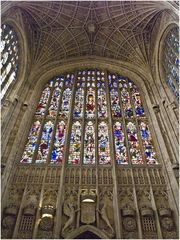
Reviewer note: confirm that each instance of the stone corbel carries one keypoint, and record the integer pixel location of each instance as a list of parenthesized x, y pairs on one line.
[(156, 108), (173, 105)]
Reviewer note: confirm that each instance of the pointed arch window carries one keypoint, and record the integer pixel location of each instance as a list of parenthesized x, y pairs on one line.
[(171, 60), (9, 49), (85, 118)]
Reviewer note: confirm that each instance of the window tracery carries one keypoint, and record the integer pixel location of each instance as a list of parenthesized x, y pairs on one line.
[(84, 98), (9, 49), (171, 60)]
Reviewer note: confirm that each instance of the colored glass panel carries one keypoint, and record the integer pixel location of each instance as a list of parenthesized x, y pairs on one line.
[(120, 145), (89, 144), (45, 142), (90, 103), (54, 102), (79, 100), (134, 146), (139, 110), (57, 153), (75, 144), (115, 104), (171, 60), (66, 99), (102, 104), (41, 108), (126, 103), (103, 144), (147, 143), (31, 144)]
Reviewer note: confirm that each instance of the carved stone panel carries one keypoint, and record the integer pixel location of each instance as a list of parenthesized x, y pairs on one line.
[(128, 214), (105, 210), (70, 209)]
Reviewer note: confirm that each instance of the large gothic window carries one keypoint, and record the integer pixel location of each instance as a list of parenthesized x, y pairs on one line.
[(171, 60), (9, 57), (90, 117)]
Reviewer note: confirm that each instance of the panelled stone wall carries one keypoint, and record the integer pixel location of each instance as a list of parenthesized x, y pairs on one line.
[(42, 204)]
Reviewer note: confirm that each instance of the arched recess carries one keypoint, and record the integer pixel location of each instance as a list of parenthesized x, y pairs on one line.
[(161, 72), (86, 228), (168, 112), (139, 76), (23, 58), (12, 103)]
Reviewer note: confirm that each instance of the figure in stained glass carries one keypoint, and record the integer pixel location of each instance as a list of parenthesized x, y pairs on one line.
[(120, 148), (103, 142), (75, 143), (58, 146), (31, 144), (45, 142)]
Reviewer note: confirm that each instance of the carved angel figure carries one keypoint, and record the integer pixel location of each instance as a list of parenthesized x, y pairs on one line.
[(70, 211)]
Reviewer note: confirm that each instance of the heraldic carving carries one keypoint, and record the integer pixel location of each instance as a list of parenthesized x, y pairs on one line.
[(88, 206)]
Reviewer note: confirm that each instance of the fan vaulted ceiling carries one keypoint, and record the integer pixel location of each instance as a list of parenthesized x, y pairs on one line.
[(115, 29)]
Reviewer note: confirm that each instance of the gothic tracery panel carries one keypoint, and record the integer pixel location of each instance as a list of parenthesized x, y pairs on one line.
[(89, 102)]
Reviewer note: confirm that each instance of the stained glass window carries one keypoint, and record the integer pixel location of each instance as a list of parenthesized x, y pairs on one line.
[(73, 122), (171, 60), (9, 57)]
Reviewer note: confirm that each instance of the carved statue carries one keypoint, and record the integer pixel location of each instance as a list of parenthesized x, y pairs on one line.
[(69, 210), (103, 212)]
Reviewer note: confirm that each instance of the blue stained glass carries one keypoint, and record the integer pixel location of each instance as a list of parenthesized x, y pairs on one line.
[(32, 142), (115, 104), (89, 144), (120, 148), (171, 61), (57, 153), (103, 144), (147, 143), (102, 105), (126, 103), (64, 111)]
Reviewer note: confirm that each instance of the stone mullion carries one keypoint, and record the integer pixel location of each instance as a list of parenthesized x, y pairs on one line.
[(83, 125), (96, 123), (38, 213), (58, 224), (18, 220), (123, 121), (135, 120), (43, 120), (118, 220), (82, 144), (155, 210), (55, 124), (140, 233)]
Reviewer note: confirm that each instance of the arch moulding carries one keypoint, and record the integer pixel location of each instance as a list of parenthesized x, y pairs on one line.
[(85, 228)]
